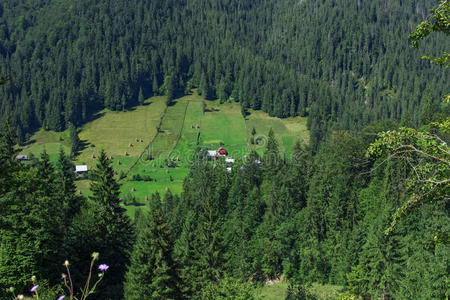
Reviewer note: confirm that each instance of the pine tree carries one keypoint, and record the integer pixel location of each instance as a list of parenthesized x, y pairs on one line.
[(141, 96), (271, 159), (66, 188), (31, 237), (74, 140), (152, 272), (102, 226)]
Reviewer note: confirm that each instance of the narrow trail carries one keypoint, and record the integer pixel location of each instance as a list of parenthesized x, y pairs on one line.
[(149, 144), (156, 136), (181, 130)]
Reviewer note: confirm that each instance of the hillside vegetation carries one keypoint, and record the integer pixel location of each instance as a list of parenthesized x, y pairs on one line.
[(345, 63), (170, 138), (254, 149)]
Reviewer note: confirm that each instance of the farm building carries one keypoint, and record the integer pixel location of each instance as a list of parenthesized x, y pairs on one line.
[(81, 169), (22, 157), (212, 154), (230, 160), (222, 151)]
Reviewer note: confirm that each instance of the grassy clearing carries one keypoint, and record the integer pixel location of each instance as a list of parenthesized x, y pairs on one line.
[(326, 291), (50, 141), (224, 124), (116, 132), (169, 132), (278, 291), (190, 134), (287, 131), (189, 123)]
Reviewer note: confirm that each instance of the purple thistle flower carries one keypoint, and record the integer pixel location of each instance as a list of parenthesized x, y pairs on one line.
[(34, 288), (61, 297), (103, 267)]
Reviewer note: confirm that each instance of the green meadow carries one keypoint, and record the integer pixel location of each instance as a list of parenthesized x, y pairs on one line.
[(278, 290), (287, 131), (49, 141), (151, 146), (123, 135)]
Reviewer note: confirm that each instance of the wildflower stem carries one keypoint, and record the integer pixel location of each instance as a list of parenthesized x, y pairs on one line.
[(71, 284), (68, 288), (95, 285), (86, 286)]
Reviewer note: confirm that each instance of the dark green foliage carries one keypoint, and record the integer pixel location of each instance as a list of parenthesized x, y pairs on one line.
[(318, 216), (152, 272), (74, 140), (229, 288), (346, 72), (103, 227), (310, 218), (299, 292), (141, 97), (31, 235)]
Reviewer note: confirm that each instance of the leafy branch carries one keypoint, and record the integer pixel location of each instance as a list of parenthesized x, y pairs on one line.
[(429, 158), (437, 21)]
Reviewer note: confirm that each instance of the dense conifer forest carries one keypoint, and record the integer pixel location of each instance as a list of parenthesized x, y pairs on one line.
[(344, 64), (364, 205)]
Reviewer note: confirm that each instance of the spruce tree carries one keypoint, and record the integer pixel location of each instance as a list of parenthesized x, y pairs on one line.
[(74, 140), (152, 272), (102, 226), (66, 188), (30, 218), (141, 97), (271, 159)]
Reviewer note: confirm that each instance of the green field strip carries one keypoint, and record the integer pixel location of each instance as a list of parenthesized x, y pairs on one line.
[(149, 144), (181, 130)]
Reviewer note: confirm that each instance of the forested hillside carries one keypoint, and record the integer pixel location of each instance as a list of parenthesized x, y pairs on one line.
[(343, 63), (362, 205), (309, 219)]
